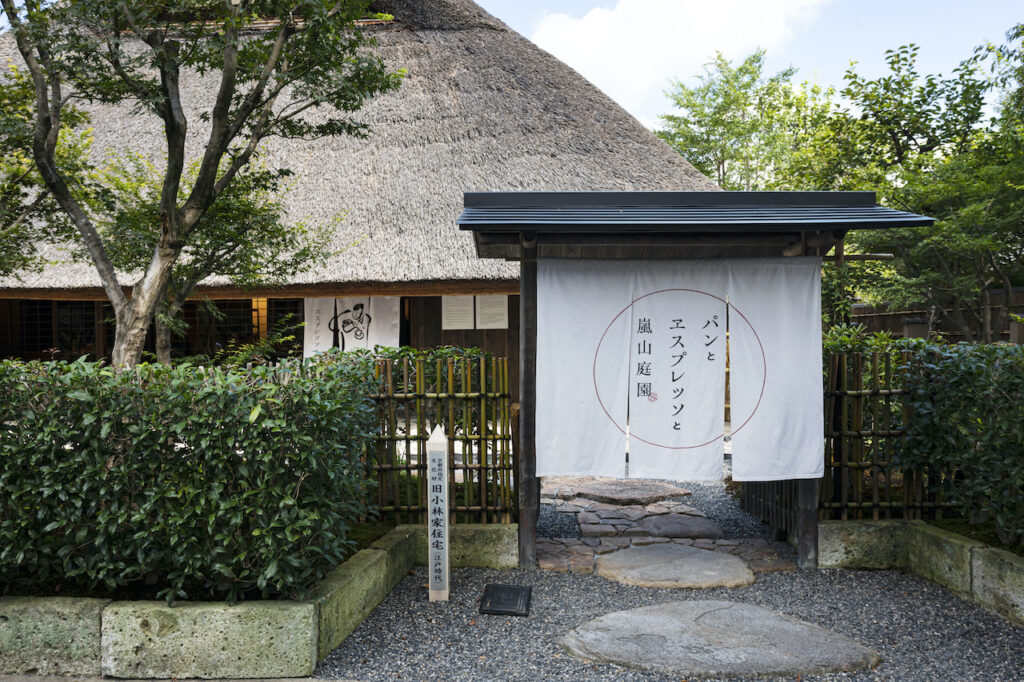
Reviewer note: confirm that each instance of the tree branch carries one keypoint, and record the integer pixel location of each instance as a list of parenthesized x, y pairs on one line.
[(47, 129)]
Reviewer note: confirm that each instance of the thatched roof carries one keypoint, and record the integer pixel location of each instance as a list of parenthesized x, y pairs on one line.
[(482, 109)]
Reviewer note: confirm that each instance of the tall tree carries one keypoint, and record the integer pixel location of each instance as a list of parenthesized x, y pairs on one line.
[(138, 54), (924, 144), (244, 237), (741, 127)]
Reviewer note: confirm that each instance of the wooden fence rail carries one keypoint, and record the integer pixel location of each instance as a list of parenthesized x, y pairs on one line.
[(470, 399)]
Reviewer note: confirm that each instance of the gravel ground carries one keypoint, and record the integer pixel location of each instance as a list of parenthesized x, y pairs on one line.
[(552, 524), (922, 631)]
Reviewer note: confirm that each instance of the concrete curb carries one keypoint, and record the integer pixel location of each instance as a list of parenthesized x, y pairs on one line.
[(991, 577), (252, 639)]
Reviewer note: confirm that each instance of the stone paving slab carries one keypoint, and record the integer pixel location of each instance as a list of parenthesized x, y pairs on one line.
[(680, 526), (669, 565), (553, 553), (610, 490), (600, 519), (715, 638)]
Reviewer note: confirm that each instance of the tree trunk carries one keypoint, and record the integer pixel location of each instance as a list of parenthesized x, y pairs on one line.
[(162, 333), (129, 338), (133, 320), (168, 309)]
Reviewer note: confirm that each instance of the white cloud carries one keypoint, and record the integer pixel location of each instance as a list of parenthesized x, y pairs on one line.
[(633, 50)]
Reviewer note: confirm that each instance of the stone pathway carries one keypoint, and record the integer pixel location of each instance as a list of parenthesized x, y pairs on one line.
[(613, 515), (719, 638), (578, 555)]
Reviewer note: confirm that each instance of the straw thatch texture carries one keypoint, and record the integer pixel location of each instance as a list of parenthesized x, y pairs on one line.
[(482, 109)]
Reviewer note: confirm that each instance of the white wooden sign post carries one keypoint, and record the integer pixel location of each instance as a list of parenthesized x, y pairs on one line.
[(437, 516)]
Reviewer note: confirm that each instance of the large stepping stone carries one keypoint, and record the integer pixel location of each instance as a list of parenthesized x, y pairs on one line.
[(628, 492), (674, 566), (715, 639), (679, 526)]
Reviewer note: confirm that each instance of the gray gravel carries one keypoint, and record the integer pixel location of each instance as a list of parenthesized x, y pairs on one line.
[(552, 524), (724, 509), (922, 631)]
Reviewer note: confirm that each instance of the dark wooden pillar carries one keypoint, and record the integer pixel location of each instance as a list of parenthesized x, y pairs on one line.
[(527, 481), (807, 522)]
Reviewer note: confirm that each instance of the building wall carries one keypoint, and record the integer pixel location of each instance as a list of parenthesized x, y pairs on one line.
[(423, 316), (66, 330)]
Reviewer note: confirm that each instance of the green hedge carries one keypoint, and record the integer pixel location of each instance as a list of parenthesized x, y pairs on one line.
[(203, 484), (967, 423)]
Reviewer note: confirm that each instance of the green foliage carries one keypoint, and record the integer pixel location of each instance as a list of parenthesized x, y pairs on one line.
[(434, 375), (967, 423), (921, 141), (854, 338), (28, 214), (282, 342), (742, 128), (244, 236), (326, 62), (215, 484)]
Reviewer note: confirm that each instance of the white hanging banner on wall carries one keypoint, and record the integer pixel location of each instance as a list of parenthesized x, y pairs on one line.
[(361, 322), (317, 335), (365, 322), (456, 312), (582, 367), (775, 375), (677, 370), (492, 311)]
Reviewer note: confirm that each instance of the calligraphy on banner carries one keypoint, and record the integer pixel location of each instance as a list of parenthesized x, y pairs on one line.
[(677, 366)]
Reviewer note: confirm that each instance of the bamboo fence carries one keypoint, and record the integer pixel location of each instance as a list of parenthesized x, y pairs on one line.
[(470, 399), (865, 421)]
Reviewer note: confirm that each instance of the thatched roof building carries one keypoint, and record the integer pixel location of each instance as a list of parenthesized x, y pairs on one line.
[(482, 109)]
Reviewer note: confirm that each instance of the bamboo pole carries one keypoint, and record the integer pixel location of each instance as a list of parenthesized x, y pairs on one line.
[(844, 471), (873, 448), (421, 428)]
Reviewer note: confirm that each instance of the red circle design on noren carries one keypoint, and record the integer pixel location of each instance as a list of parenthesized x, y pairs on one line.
[(764, 370)]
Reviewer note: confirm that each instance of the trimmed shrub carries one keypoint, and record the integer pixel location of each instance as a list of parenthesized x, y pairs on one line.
[(204, 484), (967, 424)]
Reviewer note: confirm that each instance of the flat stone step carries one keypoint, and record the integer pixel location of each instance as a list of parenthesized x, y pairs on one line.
[(674, 566), (715, 638), (679, 526), (626, 492)]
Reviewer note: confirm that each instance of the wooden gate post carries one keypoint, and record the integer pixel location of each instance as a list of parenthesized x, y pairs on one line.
[(526, 476), (807, 522)]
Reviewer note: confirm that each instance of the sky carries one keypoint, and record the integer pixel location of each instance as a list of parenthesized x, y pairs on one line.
[(633, 49)]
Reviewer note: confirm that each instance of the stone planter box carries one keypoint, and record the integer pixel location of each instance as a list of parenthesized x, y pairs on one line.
[(991, 577), (92, 637)]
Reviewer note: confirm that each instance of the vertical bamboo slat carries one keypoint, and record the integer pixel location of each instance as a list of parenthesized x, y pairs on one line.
[(873, 445), (844, 460), (421, 430), (471, 401)]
